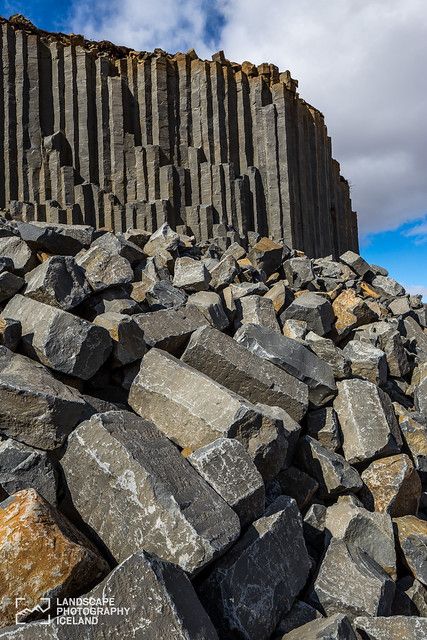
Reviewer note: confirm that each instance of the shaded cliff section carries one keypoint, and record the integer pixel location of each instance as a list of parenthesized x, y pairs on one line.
[(99, 134)]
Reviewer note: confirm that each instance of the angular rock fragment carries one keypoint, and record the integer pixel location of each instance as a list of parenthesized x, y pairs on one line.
[(272, 448), (210, 305), (334, 627), (391, 628), (420, 393), (228, 468), (295, 329), (410, 598), (392, 486), (19, 252), (163, 295), (191, 275), (239, 291), (104, 269), (63, 239), (134, 489), (370, 532), (298, 272), (58, 281), (22, 467), (315, 310), (322, 425), (126, 334), (10, 333), (300, 614), (325, 349), (256, 582), (119, 245), (9, 285), (170, 329), (412, 538), (41, 554), (163, 239), (314, 526), (291, 356), (415, 437), (266, 255), (368, 423), (229, 363), (366, 361), (280, 295), (416, 337), (224, 272), (387, 287), (356, 263), (389, 340), (59, 339), (332, 471), (298, 485), (35, 408), (257, 310), (350, 582), (351, 311)]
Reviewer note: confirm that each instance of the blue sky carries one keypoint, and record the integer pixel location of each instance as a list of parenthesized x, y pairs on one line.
[(361, 63)]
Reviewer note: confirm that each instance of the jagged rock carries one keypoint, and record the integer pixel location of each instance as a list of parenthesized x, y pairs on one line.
[(392, 628), (366, 361), (170, 329), (273, 448), (140, 237), (334, 627), (350, 582), (295, 329), (126, 334), (314, 525), (6, 264), (368, 423), (194, 410), (300, 614), (417, 338), (351, 311), (400, 306), (134, 489), (163, 295), (266, 255), (420, 393), (415, 437), (412, 538), (191, 275), (392, 486), (41, 554), (63, 239), (370, 532), (58, 281), (387, 287), (280, 295), (326, 350), (291, 356), (356, 263), (410, 598), (256, 582), (224, 272), (9, 285), (104, 269), (164, 239), (314, 310), (256, 310), (224, 360), (22, 467), (298, 272), (19, 252), (298, 485), (34, 407), (332, 471), (389, 340), (228, 468), (236, 250), (210, 305), (10, 333), (59, 339), (239, 291), (119, 245), (115, 300), (322, 425)]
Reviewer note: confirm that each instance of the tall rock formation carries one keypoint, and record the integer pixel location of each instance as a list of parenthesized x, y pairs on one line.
[(103, 135)]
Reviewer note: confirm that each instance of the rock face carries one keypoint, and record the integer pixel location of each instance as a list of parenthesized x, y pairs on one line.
[(133, 488), (41, 554), (58, 281), (191, 155)]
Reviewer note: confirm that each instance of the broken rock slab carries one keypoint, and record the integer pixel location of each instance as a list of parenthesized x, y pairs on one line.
[(210, 305), (315, 310), (392, 628), (35, 408), (41, 554), (10, 333), (231, 364), (191, 275), (266, 255), (228, 468), (170, 329), (366, 361), (163, 295), (63, 239), (59, 339), (9, 285), (291, 356), (334, 627), (126, 334), (256, 582), (104, 269), (132, 486), (350, 582), (19, 252), (367, 419), (322, 425), (258, 310), (412, 538), (58, 281), (351, 311), (326, 350)]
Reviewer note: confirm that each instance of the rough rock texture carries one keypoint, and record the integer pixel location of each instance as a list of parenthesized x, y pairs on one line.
[(412, 537), (58, 281), (133, 488), (314, 310), (22, 467), (395, 628), (41, 554), (335, 627)]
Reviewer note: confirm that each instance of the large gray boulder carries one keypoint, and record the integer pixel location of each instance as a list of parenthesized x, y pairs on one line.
[(293, 357), (132, 487), (366, 361), (63, 239), (326, 350), (59, 339), (103, 268), (58, 281), (228, 468), (368, 422), (231, 364), (256, 582), (314, 309), (35, 408), (9, 285), (210, 305), (191, 275), (19, 252), (170, 329)]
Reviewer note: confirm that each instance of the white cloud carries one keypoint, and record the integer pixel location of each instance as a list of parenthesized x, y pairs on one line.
[(418, 232)]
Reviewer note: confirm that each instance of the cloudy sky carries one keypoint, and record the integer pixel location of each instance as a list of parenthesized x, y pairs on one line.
[(361, 62)]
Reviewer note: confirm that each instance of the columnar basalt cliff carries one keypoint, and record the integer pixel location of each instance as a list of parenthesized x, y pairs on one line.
[(103, 135)]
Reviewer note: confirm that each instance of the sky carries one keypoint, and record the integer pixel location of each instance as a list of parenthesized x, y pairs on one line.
[(361, 62)]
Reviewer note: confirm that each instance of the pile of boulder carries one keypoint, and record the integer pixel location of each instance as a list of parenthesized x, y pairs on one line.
[(226, 439)]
